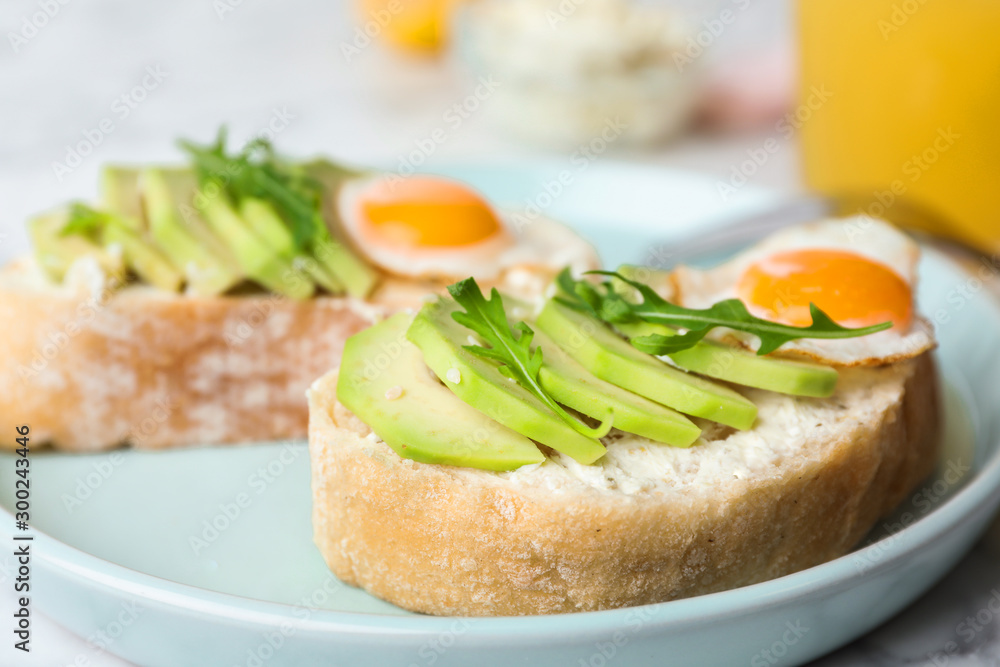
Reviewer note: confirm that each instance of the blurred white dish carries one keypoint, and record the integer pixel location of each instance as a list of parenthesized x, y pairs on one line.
[(573, 73)]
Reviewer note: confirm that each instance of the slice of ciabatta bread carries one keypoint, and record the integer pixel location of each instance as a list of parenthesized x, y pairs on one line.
[(647, 523), (92, 364)]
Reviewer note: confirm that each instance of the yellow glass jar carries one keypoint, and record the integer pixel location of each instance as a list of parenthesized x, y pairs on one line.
[(410, 25), (910, 129)]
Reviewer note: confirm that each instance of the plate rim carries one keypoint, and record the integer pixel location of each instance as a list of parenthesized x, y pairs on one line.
[(980, 493)]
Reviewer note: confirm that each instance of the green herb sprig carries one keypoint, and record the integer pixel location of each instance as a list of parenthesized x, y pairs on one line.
[(257, 171), (84, 221), (605, 303), (511, 347)]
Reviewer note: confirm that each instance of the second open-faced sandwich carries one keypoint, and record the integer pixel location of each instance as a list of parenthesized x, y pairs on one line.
[(196, 304), (650, 437)]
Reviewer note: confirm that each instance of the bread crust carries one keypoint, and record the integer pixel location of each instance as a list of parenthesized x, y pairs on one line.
[(92, 364), (92, 369), (444, 540)]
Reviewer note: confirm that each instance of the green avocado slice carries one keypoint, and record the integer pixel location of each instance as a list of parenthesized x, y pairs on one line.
[(181, 235), (732, 364), (605, 354), (478, 382), (55, 252), (571, 384), (142, 257), (265, 222), (257, 260), (121, 196), (385, 382), (332, 253)]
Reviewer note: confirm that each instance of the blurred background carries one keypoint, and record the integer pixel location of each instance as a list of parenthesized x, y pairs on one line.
[(398, 84), (886, 107)]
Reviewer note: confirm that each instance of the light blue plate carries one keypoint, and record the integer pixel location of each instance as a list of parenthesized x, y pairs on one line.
[(204, 556)]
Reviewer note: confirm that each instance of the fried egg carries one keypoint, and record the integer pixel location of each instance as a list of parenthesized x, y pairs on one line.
[(429, 227), (859, 271)]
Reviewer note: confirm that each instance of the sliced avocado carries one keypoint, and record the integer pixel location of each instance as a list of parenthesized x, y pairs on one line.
[(385, 382), (785, 376), (265, 222), (602, 352), (183, 186), (320, 274), (207, 270), (268, 226), (55, 252), (120, 195), (142, 257), (571, 384), (357, 276), (732, 364), (259, 262), (478, 382)]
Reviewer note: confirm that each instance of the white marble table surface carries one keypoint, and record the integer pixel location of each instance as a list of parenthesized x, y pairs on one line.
[(263, 60)]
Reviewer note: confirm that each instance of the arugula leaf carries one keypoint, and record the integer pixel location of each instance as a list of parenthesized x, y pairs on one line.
[(84, 221), (610, 306), (257, 171), (511, 349)]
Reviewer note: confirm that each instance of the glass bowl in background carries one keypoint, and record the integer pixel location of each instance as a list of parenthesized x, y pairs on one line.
[(564, 74)]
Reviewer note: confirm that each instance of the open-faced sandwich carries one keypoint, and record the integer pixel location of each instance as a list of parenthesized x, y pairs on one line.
[(196, 304), (648, 437)]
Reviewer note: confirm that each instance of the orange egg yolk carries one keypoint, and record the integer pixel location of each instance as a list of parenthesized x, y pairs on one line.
[(426, 212), (853, 290)]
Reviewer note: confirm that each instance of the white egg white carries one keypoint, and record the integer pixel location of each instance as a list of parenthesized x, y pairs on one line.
[(874, 239), (538, 242)]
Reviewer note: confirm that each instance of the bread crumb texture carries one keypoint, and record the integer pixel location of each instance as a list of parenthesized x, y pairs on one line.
[(92, 368), (92, 364), (647, 523)]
